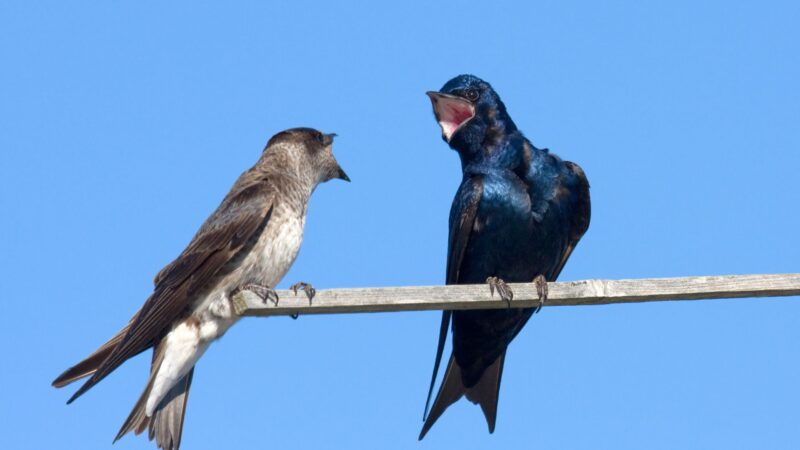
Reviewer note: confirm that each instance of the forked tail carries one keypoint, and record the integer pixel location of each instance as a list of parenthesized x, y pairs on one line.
[(484, 393)]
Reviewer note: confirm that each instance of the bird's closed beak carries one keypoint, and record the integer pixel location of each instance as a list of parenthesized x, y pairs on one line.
[(339, 171), (451, 112), (342, 175)]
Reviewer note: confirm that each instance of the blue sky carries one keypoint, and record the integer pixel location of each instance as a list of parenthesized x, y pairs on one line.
[(124, 125)]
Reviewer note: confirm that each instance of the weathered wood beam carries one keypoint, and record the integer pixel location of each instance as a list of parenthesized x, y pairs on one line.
[(586, 292)]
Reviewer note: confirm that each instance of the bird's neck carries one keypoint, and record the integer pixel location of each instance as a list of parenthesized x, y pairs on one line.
[(504, 151), (294, 184), (298, 190)]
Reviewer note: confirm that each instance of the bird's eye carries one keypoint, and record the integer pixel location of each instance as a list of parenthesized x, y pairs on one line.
[(320, 138), (471, 95)]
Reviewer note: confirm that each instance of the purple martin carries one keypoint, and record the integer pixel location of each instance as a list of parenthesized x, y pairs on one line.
[(516, 217), (249, 242)]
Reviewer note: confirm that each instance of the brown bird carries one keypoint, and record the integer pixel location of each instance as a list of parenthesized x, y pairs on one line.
[(249, 242)]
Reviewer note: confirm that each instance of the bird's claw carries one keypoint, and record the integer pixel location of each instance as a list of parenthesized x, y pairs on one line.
[(541, 290), (265, 293), (305, 287), (502, 289)]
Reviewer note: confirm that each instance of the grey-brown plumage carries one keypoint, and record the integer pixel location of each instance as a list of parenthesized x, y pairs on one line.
[(251, 239)]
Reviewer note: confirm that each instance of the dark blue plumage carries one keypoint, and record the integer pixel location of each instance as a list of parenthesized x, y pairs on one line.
[(517, 215)]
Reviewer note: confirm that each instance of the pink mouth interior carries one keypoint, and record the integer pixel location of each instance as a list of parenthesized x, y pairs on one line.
[(452, 114)]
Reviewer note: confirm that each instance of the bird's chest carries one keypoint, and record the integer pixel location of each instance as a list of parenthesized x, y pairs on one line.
[(275, 250), (506, 240), (504, 213)]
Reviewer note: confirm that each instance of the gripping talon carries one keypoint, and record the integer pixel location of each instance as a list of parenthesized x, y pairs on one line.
[(541, 290), (265, 293), (305, 287), (505, 292)]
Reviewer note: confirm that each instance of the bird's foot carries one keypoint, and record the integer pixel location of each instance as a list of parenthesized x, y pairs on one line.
[(266, 293), (502, 288), (305, 287), (541, 290)]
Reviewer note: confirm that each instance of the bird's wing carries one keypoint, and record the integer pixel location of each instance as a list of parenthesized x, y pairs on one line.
[(462, 220), (461, 224), (242, 215), (581, 211)]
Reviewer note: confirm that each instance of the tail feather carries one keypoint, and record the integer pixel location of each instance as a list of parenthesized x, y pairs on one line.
[(137, 420), (450, 391), (166, 424), (92, 362), (487, 391), (484, 393)]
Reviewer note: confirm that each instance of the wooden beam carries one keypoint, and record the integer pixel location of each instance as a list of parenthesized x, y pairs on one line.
[(586, 292)]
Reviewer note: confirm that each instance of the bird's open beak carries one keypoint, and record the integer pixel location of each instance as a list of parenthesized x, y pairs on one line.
[(451, 112)]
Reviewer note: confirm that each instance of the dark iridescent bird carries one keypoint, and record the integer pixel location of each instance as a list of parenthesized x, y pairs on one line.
[(516, 217)]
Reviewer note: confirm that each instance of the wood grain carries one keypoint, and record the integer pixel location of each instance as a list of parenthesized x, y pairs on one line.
[(568, 293)]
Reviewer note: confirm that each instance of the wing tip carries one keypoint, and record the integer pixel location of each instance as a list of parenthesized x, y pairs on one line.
[(78, 393)]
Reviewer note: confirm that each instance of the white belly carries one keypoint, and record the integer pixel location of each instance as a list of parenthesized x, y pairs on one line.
[(266, 264)]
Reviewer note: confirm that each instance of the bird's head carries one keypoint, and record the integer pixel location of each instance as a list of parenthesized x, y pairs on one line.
[(306, 153), (470, 113)]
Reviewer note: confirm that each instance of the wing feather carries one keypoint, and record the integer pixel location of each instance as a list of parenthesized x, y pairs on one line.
[(228, 231), (460, 229), (580, 215)]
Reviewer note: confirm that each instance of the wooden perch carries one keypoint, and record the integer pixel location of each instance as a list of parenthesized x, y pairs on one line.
[(587, 292)]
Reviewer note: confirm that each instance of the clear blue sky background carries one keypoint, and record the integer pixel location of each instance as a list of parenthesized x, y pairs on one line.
[(125, 123)]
